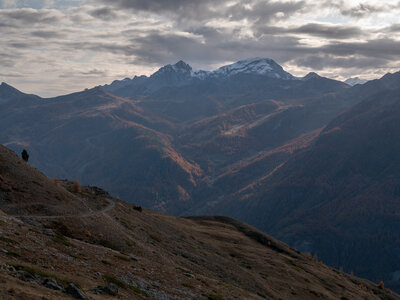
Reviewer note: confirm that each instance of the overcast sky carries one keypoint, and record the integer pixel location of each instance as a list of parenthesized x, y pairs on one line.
[(53, 47)]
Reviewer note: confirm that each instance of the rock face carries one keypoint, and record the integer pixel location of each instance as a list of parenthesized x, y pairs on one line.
[(110, 289), (52, 284), (75, 291)]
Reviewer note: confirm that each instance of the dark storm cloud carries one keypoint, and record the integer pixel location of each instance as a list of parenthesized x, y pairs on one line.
[(158, 6), (192, 10), (321, 62), (317, 30), (104, 13), (214, 48), (47, 34), (27, 16), (379, 48), (329, 31), (372, 54)]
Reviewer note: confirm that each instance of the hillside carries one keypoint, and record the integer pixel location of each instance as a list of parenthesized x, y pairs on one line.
[(123, 251), (99, 138), (339, 196)]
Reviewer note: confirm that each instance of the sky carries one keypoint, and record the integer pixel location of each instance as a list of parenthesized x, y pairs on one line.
[(54, 47)]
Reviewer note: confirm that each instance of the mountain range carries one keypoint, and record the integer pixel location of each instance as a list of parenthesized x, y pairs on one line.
[(310, 160)]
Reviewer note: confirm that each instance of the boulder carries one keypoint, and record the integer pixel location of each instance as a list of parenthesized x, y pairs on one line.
[(75, 291)]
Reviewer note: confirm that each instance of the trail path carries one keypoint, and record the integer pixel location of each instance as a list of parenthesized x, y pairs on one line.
[(110, 206)]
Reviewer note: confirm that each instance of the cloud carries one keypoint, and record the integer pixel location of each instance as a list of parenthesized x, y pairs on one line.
[(30, 17), (8, 59), (384, 48), (84, 74), (104, 13), (160, 6), (361, 10), (47, 34), (12, 75), (325, 61), (329, 31), (70, 45), (192, 10)]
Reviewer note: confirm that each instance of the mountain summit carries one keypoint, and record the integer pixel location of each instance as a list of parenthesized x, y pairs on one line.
[(179, 67), (354, 81), (257, 65), (181, 74), (7, 90)]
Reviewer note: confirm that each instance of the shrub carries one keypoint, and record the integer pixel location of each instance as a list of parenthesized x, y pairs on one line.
[(61, 239), (114, 280), (381, 285), (8, 240), (76, 187)]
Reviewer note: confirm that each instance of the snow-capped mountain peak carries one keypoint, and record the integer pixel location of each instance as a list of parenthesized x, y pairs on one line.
[(182, 73), (256, 65), (179, 68), (355, 80), (181, 65)]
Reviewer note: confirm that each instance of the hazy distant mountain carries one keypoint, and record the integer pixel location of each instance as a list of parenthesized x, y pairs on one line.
[(355, 80), (13, 97), (181, 74), (99, 138)]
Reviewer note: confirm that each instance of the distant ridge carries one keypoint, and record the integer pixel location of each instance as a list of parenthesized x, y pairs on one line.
[(182, 73), (355, 80)]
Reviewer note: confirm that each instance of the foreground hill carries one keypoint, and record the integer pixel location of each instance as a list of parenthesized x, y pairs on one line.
[(112, 248), (339, 196)]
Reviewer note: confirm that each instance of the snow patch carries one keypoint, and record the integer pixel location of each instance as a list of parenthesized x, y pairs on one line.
[(355, 80)]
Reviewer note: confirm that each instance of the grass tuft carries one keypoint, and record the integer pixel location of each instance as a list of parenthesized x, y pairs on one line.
[(8, 240), (61, 239)]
